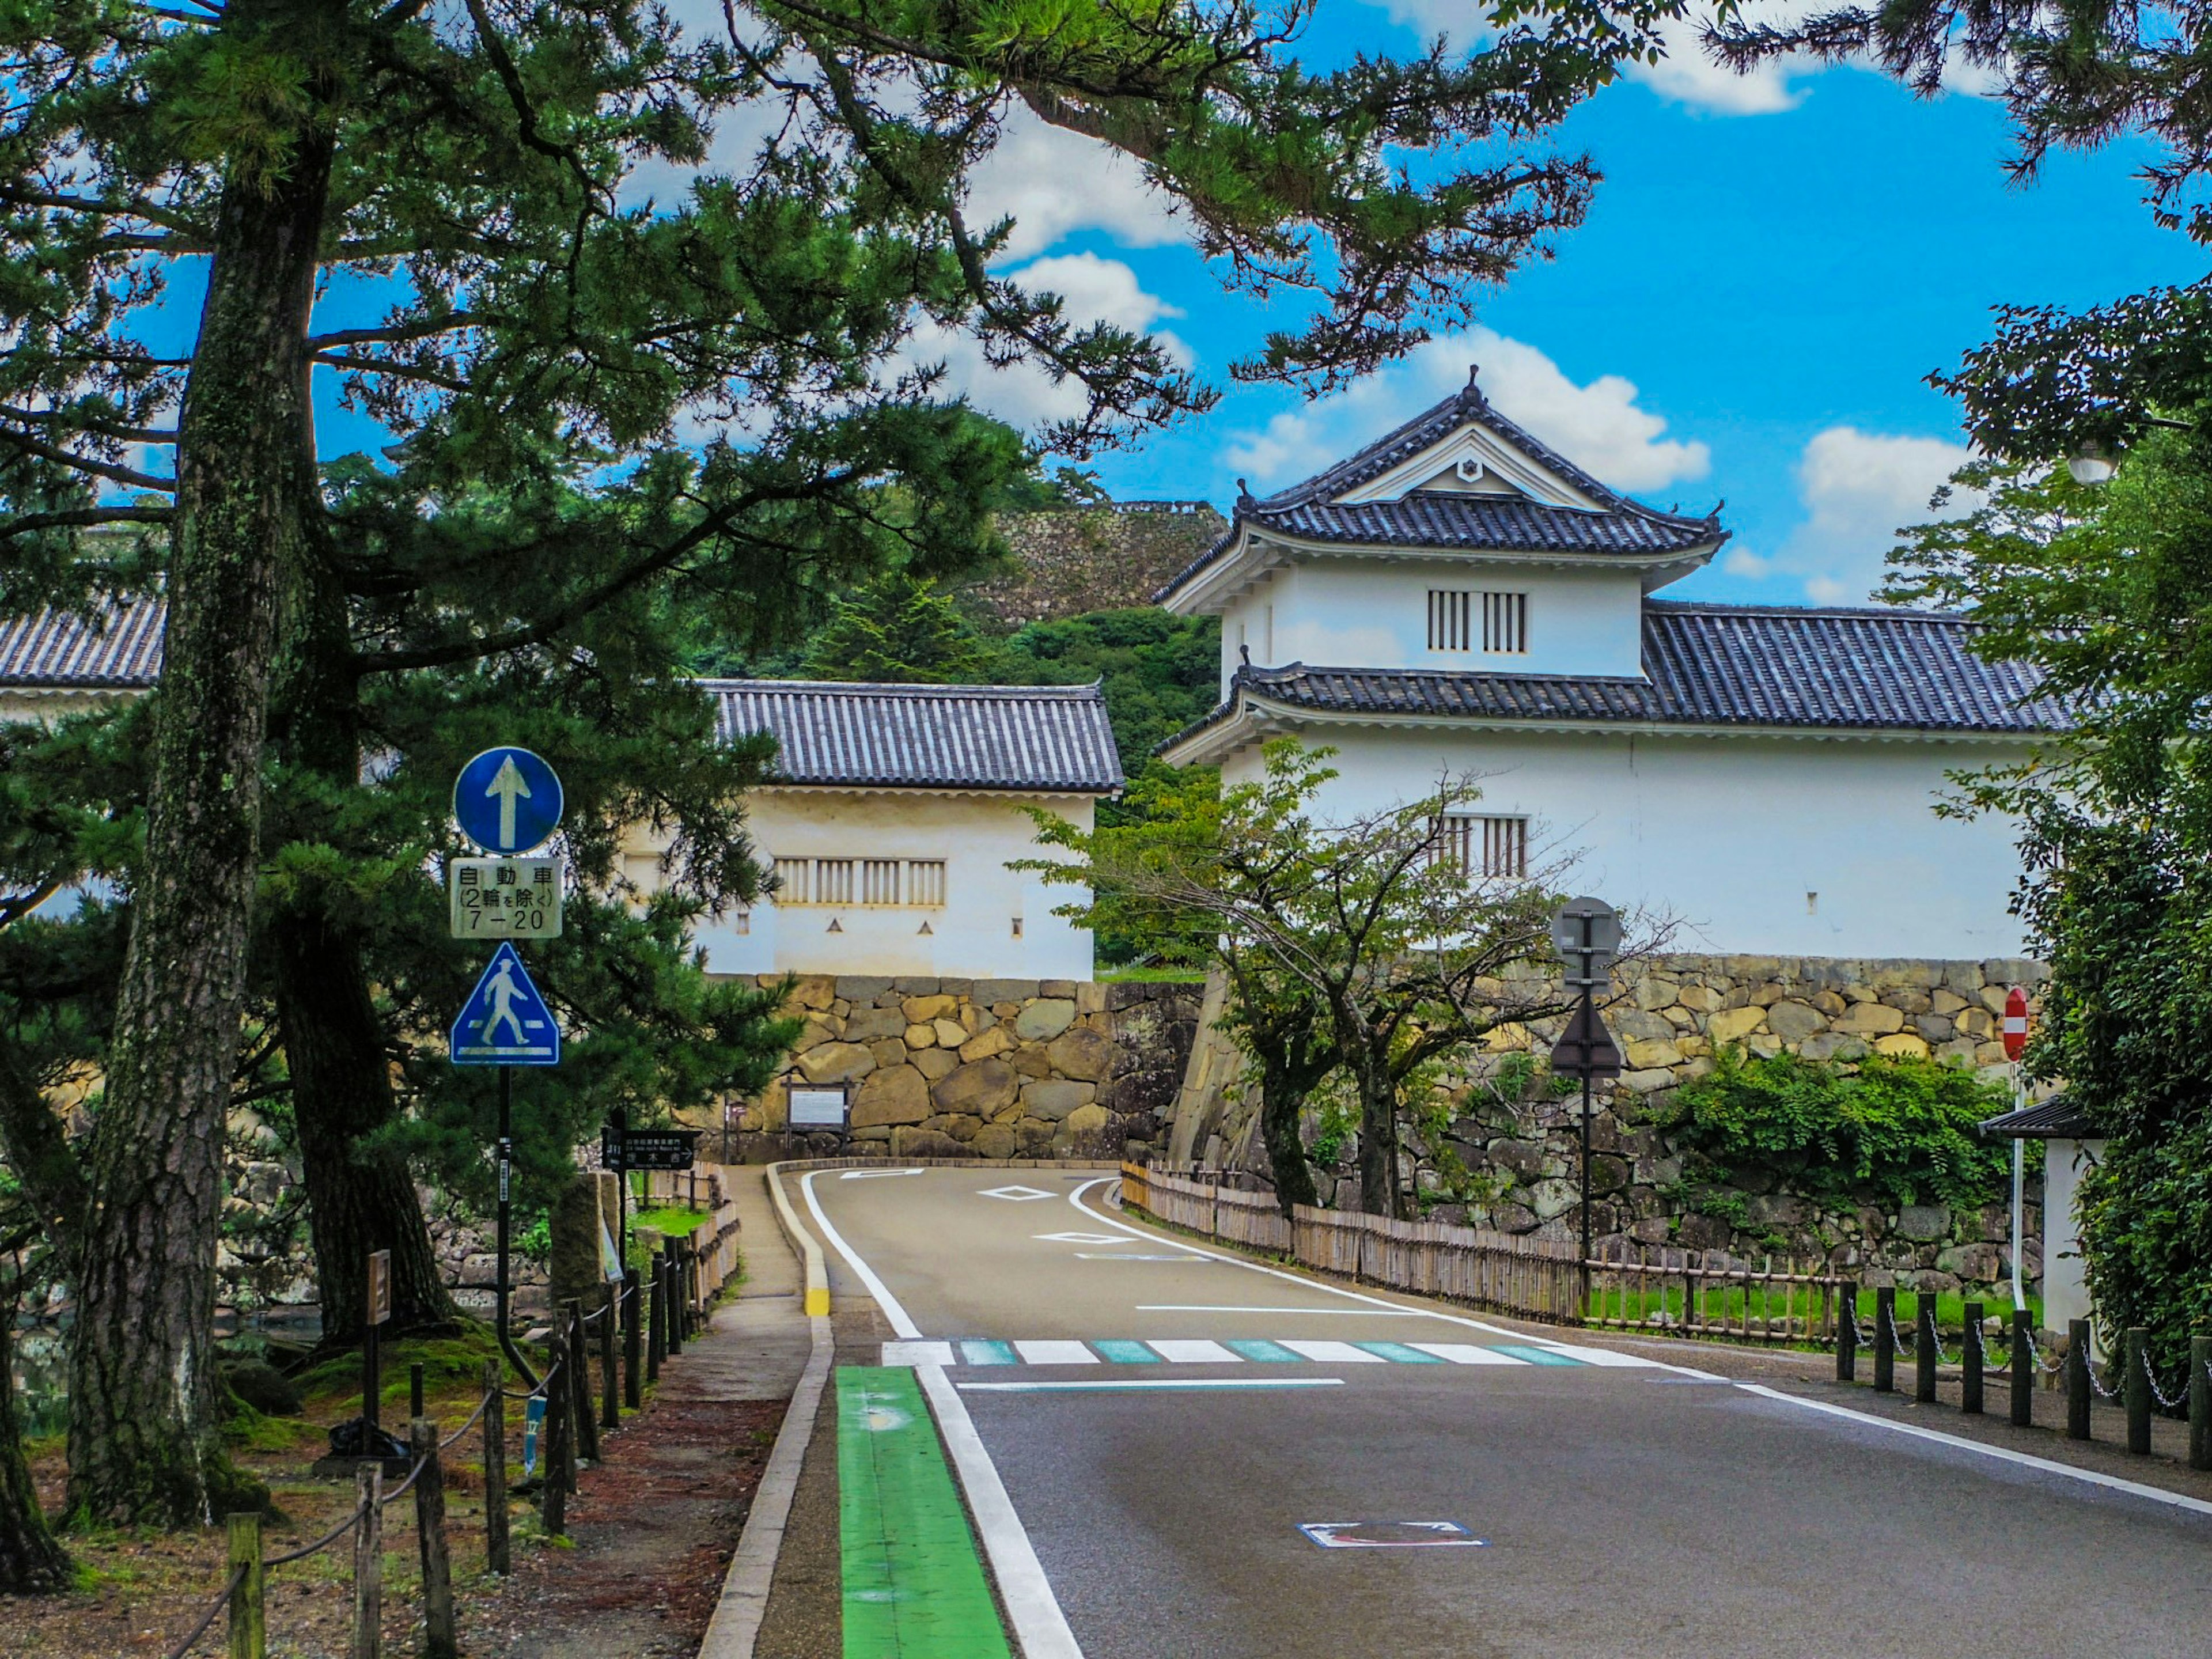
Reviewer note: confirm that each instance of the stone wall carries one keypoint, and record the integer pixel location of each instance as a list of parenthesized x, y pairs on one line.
[(1113, 556), (990, 1068), (1518, 1142)]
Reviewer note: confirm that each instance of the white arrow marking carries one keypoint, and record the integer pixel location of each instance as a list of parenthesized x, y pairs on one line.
[(507, 784)]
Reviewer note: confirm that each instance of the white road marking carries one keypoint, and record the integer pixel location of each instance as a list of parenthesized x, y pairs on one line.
[(1080, 1238), (2003, 1454), (918, 1353), (1343, 1313), (1179, 1384), (1013, 1194), (1040, 1627), (1093, 1255), (1333, 1353), (1193, 1351), (874, 1174), (1606, 1357), (1056, 1354), (1461, 1353)]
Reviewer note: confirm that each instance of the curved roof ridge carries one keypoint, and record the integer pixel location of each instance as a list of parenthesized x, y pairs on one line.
[(1777, 608), (1086, 690)]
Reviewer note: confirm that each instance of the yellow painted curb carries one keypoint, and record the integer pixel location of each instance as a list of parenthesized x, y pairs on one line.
[(810, 1252)]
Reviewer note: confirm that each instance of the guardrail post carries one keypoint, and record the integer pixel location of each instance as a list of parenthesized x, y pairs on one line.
[(584, 1424), (1885, 1338), (2137, 1390), (559, 1452), (671, 1306), (1847, 1331), (369, 1563), (438, 1640), (632, 1331), (610, 1379), (2023, 1367), (1923, 1347), (496, 1556), (2200, 1402), (249, 1629), (656, 1336), (1970, 1362), (2077, 1380)]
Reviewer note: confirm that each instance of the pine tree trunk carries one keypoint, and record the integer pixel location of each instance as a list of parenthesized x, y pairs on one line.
[(360, 1197), (31, 1562), (1378, 1135), (144, 1397)]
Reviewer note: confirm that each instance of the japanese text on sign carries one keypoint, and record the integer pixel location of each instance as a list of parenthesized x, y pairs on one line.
[(504, 898)]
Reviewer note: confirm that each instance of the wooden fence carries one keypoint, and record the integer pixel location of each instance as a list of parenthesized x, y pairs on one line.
[(1669, 1291)]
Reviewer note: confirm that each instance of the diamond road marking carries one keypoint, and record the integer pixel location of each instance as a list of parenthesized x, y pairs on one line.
[(1081, 1238), (1015, 1194)]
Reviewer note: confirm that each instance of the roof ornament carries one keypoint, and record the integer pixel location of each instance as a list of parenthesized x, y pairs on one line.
[(1472, 395), (1245, 654)]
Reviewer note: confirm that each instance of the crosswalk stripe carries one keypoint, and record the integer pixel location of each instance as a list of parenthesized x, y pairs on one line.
[(1537, 1356), (1467, 1353), (1332, 1353), (987, 1354), (1056, 1353), (1401, 1354), (1124, 1352), (1258, 1347), (919, 1353), (1193, 1352)]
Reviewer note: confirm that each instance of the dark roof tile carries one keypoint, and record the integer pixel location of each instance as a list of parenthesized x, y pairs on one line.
[(116, 646)]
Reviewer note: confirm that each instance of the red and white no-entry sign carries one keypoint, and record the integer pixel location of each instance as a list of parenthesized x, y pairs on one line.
[(2015, 1023)]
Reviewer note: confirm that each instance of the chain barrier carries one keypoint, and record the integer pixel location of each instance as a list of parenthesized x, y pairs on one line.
[(208, 1618), (1981, 1342), (1897, 1339), (322, 1543), (2159, 1393)]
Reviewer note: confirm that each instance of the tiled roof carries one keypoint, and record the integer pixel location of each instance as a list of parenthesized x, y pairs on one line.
[(116, 647), (1716, 665), (1448, 520), (1045, 738), (2057, 1118)]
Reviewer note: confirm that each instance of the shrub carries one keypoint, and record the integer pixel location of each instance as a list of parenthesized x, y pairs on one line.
[(1902, 1129)]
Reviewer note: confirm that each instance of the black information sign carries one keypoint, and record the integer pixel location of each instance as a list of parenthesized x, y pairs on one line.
[(624, 1149)]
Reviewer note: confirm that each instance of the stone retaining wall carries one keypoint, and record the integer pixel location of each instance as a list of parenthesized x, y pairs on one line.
[(990, 1068), (1520, 1145)]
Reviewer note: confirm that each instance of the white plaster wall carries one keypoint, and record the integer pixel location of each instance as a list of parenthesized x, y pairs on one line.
[(2065, 1287), (1727, 835), (971, 934), (1374, 613)]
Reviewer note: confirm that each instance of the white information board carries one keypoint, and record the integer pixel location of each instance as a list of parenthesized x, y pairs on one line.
[(817, 1107), (503, 898)]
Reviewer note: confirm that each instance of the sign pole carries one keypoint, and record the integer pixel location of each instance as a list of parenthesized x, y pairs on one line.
[(502, 1290), (2015, 1045)]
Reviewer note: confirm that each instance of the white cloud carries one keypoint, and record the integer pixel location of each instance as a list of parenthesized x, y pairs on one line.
[(1092, 290), (1687, 74), (1053, 182), (1599, 426), (1858, 488)]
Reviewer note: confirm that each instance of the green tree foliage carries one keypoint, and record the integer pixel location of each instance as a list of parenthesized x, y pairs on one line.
[(1361, 944), (1900, 1130), (898, 629), (1159, 672)]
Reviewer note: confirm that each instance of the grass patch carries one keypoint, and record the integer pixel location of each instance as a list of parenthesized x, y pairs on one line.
[(1151, 976), (1726, 1304), (670, 1220), (451, 1366), (252, 1431)]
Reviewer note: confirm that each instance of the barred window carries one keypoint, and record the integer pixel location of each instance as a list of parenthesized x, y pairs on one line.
[(791, 880), (832, 881), (1505, 846), (1505, 623), (1450, 611), (1456, 841), (880, 881), (925, 881)]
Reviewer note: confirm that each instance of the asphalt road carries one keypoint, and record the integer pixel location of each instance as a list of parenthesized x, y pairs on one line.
[(1621, 1510)]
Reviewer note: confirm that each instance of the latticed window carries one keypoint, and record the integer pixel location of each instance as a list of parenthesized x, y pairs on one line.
[(1484, 846), (792, 887), (832, 881), (1505, 623), (880, 881), (1450, 619), (925, 881)]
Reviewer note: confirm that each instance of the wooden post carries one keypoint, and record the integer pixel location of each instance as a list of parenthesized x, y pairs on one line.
[(584, 1425), (1847, 1332), (1970, 1362), (415, 1391), (1885, 1339), (672, 1297), (2023, 1367), (632, 1331), (553, 1492), (1923, 1347), (438, 1638), (249, 1629), (656, 1336), (369, 1563), (610, 1378), (2077, 1380), (2136, 1390), (496, 1553), (2200, 1402)]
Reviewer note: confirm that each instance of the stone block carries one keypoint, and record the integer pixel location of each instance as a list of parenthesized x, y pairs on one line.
[(889, 1051), (1082, 1054), (993, 1140), (1643, 1054), (858, 989), (950, 1034), (922, 1036), (1046, 1018), (815, 991), (909, 986), (817, 1029), (1902, 1045), (1030, 1061), (920, 1011), (991, 991), (897, 1094), (934, 1063), (980, 1088), (1734, 1025), (1056, 988), (1934, 1028), (1644, 1082), (1091, 996), (1033, 1139), (1053, 1100), (1608, 1174), (925, 1143), (959, 1125), (1833, 1045), (867, 1024), (836, 1062), (985, 1044), (1793, 1022), (1923, 1223), (1870, 1019)]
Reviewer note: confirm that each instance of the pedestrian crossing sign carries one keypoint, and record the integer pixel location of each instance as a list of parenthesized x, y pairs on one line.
[(505, 1022)]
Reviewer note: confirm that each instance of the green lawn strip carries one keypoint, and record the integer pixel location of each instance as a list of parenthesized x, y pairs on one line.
[(914, 1585)]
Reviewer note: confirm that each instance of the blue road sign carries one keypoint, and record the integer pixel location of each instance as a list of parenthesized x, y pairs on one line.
[(505, 1022), (508, 800)]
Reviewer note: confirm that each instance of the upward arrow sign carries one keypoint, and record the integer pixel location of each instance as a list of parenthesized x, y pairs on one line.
[(507, 784)]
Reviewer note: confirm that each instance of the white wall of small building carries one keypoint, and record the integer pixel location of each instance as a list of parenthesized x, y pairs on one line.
[(972, 935), (1767, 845), (2065, 1285), (1343, 612)]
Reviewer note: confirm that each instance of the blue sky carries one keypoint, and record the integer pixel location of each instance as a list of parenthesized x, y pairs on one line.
[(1768, 273)]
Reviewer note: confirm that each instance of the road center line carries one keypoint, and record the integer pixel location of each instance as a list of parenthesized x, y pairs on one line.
[(1040, 1627), (1341, 1313)]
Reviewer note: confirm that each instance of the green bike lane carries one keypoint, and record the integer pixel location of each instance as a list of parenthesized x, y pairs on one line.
[(1167, 1505)]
